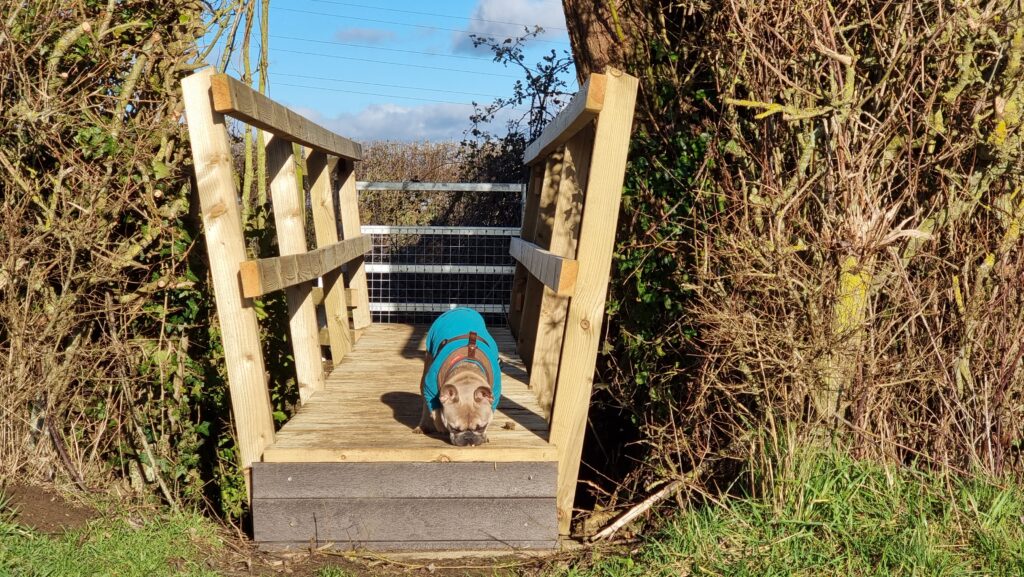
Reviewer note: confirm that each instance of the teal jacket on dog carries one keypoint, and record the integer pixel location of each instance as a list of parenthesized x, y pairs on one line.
[(460, 332)]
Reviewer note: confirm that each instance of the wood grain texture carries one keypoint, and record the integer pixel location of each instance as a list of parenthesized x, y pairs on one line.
[(397, 520), (541, 236), (265, 275), (553, 271), (222, 224), (325, 223), (355, 273), (235, 99), (371, 403), (586, 309), (561, 237), (403, 480), (521, 275), (582, 109), (288, 201), (463, 548)]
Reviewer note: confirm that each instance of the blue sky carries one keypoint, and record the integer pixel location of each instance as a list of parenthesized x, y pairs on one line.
[(398, 70)]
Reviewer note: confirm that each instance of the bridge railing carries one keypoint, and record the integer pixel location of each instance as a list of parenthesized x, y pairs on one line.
[(237, 280)]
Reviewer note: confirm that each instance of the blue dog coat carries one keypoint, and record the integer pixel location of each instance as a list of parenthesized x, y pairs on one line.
[(450, 334)]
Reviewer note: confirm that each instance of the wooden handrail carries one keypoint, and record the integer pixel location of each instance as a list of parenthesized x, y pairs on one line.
[(583, 108), (235, 99), (264, 275), (555, 272)]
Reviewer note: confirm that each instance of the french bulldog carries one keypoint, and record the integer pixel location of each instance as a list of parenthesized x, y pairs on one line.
[(461, 382)]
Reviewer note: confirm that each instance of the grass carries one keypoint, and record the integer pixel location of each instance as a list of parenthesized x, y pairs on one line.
[(169, 544), (839, 517)]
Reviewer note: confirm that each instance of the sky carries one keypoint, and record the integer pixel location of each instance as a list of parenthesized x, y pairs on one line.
[(398, 70)]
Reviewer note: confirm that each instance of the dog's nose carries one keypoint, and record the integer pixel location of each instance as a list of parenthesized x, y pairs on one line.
[(468, 438)]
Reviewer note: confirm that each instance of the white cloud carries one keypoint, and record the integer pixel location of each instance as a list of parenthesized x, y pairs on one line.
[(366, 35), (505, 18), (397, 122)]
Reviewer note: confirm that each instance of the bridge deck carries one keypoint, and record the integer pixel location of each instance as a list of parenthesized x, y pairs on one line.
[(371, 403)]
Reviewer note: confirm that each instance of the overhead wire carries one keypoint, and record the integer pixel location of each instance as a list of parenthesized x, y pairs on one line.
[(451, 16), (384, 48), (326, 79), (342, 16), (421, 66)]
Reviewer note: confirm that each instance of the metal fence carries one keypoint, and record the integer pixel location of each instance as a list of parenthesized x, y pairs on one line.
[(416, 272)]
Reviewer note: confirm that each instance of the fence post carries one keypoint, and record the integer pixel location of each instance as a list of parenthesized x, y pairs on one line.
[(559, 235), (586, 307), (291, 239), (355, 275), (325, 222), (218, 199)]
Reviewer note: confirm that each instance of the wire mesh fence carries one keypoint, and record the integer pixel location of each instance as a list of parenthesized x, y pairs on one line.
[(415, 272)]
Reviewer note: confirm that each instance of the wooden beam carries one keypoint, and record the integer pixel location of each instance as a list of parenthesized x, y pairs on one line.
[(538, 226), (586, 309), (235, 99), (222, 223), (556, 272), (288, 201), (318, 296), (561, 239), (355, 274), (264, 275), (325, 222), (539, 175), (583, 108)]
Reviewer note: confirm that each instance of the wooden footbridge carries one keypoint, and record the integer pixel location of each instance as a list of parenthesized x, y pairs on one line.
[(347, 468)]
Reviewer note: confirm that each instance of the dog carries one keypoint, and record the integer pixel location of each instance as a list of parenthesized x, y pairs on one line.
[(461, 382)]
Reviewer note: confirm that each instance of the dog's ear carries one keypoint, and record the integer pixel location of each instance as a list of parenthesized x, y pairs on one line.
[(448, 394), (483, 394)]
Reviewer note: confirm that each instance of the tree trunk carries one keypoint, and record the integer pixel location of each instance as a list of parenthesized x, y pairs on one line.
[(597, 33)]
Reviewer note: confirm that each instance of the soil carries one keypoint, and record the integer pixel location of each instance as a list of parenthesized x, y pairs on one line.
[(46, 511)]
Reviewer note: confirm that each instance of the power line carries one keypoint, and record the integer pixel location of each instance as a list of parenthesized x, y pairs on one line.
[(343, 17), (477, 58), (373, 94), (384, 85), (452, 16), (395, 63)]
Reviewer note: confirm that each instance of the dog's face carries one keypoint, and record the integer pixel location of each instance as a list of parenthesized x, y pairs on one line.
[(466, 406)]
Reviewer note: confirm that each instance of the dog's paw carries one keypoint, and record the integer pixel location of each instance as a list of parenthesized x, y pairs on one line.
[(418, 431)]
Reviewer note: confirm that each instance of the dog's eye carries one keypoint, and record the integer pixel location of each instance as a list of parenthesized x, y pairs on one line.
[(457, 430), (480, 428)]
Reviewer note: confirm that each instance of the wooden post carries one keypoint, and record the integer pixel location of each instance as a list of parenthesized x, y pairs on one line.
[(586, 308), (541, 237), (561, 237), (540, 178), (520, 277), (218, 199), (355, 275), (325, 221), (291, 239)]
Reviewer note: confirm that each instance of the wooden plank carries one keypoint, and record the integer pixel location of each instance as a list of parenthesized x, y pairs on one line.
[(288, 202), (366, 414), (439, 480), (541, 226), (264, 275), (555, 272), (318, 296), (222, 223), (235, 99), (355, 275), (564, 233), (582, 109), (407, 186), (422, 519), (521, 276), (461, 548), (325, 222), (586, 309)]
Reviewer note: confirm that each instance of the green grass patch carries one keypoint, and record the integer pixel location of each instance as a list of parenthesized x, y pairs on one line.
[(836, 516), (168, 544)]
